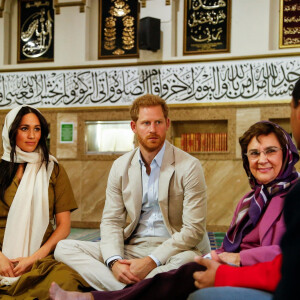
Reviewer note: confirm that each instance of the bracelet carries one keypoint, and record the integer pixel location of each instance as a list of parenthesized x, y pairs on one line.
[(111, 263)]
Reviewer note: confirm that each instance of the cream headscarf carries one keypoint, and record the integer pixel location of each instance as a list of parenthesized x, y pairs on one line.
[(28, 216)]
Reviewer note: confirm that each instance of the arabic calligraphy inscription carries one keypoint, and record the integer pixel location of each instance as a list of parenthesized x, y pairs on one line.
[(206, 26), (289, 24), (36, 31), (211, 82)]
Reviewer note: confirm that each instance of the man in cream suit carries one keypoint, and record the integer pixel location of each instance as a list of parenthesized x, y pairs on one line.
[(155, 210)]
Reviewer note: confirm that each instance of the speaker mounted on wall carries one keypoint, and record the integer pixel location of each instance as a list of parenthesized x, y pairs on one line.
[(149, 34)]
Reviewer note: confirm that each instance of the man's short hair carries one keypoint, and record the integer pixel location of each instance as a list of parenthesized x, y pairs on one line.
[(296, 94), (146, 101)]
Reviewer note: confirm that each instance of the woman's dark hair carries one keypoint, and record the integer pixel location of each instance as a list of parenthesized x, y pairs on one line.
[(256, 130), (8, 169), (44, 132), (296, 94)]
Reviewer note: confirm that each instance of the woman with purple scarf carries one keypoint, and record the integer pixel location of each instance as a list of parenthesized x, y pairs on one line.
[(269, 156)]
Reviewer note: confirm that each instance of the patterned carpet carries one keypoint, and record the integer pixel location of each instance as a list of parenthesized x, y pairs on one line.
[(84, 234), (93, 235)]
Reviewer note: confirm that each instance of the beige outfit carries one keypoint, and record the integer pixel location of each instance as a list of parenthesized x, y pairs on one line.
[(182, 200)]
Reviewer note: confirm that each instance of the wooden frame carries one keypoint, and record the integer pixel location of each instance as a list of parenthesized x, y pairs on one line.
[(289, 29), (118, 29), (35, 31), (206, 26), (58, 4)]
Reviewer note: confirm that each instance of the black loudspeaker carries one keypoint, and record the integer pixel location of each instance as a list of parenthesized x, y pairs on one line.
[(149, 34)]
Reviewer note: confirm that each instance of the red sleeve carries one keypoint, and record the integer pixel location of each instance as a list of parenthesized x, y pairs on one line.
[(262, 276)]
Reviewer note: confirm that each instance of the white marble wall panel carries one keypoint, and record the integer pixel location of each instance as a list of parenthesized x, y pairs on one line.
[(245, 117)]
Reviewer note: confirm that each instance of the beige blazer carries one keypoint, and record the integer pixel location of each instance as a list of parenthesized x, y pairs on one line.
[(182, 200)]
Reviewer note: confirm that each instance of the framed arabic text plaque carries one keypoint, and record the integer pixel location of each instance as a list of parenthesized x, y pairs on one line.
[(206, 26), (35, 31), (289, 35), (118, 21)]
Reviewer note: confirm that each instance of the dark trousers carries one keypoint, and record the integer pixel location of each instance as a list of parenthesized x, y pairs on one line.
[(176, 284)]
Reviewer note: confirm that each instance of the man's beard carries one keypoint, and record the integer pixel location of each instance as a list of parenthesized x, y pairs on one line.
[(147, 145)]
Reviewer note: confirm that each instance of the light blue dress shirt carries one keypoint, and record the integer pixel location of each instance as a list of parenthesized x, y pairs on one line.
[(151, 220)]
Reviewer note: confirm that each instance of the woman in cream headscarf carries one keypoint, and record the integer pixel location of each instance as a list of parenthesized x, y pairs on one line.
[(34, 191)]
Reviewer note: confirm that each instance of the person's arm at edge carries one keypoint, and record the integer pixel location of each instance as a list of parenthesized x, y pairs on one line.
[(62, 230), (260, 254), (113, 218), (264, 276)]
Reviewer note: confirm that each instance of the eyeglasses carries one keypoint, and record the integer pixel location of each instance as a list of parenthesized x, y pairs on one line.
[(269, 152)]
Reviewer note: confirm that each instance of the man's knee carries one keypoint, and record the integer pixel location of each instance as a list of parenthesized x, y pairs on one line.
[(183, 257), (62, 249)]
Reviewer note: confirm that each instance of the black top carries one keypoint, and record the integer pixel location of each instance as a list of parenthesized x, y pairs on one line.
[(290, 246)]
